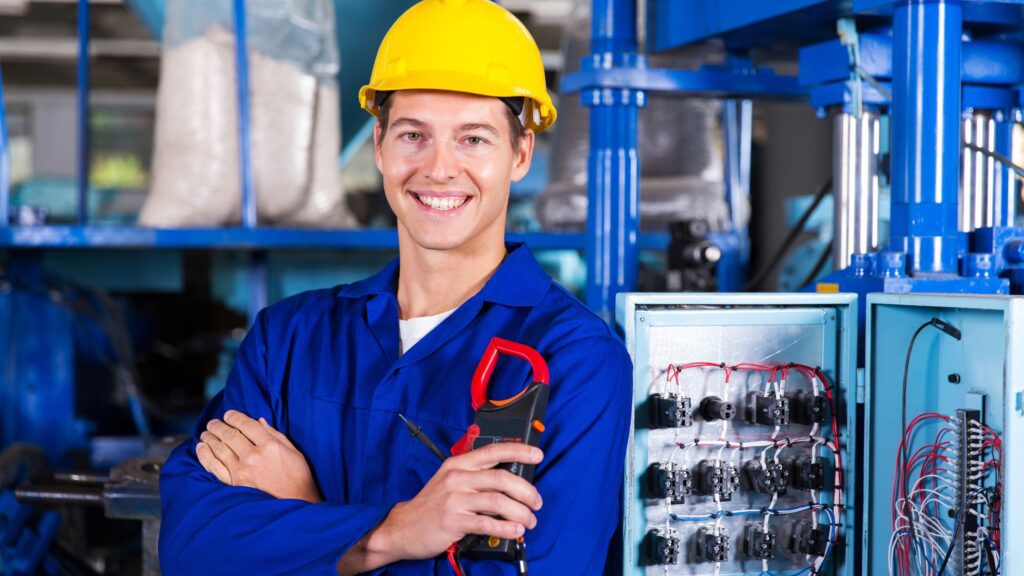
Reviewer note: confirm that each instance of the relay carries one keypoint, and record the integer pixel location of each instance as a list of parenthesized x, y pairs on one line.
[(712, 545), (669, 411)]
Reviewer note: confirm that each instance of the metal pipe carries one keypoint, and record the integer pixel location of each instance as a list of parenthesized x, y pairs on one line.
[(926, 134), (1007, 184), (59, 495), (737, 130), (83, 111), (979, 174), (249, 219), (856, 145), (613, 185)]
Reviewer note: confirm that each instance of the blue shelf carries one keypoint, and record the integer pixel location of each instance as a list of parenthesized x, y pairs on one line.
[(91, 237), (87, 237)]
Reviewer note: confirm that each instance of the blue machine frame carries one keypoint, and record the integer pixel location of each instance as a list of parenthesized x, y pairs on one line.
[(926, 251), (831, 322), (989, 360)]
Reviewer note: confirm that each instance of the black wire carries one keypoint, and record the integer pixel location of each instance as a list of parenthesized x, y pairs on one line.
[(818, 266), (1017, 168), (990, 555), (791, 238), (956, 528), (906, 440)]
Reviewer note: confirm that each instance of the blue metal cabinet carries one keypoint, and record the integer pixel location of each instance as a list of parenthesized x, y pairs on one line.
[(815, 330), (983, 370)]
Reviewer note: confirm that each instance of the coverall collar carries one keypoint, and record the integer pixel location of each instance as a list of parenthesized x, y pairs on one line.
[(518, 281)]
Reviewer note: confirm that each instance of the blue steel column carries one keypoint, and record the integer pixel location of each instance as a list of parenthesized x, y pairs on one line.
[(83, 111), (926, 133), (244, 136), (5, 162), (613, 187)]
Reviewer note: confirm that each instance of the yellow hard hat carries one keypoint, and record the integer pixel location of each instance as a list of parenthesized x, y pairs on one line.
[(472, 46)]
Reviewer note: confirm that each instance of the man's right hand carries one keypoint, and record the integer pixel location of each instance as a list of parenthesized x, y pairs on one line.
[(465, 496)]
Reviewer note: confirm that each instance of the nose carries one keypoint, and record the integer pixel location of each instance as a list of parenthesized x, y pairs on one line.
[(442, 165)]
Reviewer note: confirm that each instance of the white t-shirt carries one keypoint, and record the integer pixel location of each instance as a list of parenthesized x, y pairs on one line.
[(413, 330)]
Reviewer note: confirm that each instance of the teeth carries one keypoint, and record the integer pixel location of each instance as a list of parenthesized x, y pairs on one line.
[(442, 204)]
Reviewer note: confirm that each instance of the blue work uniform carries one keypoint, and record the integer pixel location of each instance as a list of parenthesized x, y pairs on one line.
[(324, 368)]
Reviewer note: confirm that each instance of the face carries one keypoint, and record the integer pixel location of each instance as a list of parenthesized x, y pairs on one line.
[(447, 164)]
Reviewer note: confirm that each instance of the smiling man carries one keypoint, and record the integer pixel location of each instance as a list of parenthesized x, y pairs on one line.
[(302, 463)]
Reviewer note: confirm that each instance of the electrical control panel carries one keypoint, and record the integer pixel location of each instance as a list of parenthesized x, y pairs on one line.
[(945, 406), (740, 451)]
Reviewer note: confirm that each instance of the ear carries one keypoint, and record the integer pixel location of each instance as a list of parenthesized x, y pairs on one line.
[(377, 159), (523, 157)]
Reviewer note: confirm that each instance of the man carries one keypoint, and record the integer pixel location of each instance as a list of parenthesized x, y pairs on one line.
[(304, 464)]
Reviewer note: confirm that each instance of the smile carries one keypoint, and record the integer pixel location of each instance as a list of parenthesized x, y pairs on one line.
[(442, 203)]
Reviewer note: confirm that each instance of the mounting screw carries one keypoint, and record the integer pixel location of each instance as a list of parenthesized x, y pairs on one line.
[(953, 378)]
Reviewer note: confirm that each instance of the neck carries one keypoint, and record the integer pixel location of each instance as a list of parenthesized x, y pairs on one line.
[(434, 281)]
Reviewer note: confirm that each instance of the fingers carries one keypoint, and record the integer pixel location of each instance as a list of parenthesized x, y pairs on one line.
[(500, 505), (494, 454), (255, 432), (488, 526), (230, 436), (496, 481), (276, 433), (222, 451), (211, 464)]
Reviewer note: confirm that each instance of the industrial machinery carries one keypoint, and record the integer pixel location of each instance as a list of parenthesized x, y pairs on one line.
[(758, 445), (742, 454), (943, 487), (924, 98), (746, 450)]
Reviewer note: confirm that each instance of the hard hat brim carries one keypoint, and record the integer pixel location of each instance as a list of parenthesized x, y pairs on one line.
[(454, 81)]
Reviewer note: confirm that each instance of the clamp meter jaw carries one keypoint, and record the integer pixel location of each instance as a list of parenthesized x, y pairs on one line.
[(516, 419)]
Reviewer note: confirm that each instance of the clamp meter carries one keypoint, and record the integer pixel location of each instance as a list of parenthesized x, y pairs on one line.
[(516, 419)]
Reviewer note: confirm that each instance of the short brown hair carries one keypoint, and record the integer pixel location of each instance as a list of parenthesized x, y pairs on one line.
[(516, 128)]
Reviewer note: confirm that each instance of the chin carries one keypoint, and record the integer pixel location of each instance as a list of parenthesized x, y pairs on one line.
[(440, 242)]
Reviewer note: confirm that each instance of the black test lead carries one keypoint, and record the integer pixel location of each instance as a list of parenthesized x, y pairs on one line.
[(418, 434)]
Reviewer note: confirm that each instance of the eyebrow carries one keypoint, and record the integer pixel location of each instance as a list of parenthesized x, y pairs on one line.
[(403, 121), (478, 126), (420, 125)]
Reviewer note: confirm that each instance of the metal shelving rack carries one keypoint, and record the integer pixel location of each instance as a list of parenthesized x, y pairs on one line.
[(249, 236)]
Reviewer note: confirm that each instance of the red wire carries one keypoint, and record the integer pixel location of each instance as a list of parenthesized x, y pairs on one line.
[(453, 561)]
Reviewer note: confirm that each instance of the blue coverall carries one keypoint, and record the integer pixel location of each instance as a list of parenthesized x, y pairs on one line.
[(324, 368)]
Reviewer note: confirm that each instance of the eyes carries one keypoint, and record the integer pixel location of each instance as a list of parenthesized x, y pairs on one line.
[(417, 137)]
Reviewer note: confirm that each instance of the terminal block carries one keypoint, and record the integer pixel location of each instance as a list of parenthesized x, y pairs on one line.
[(808, 474), (771, 478), (669, 411), (767, 410), (760, 542), (714, 408), (716, 477), (712, 545), (806, 408), (666, 480), (808, 539), (661, 547)]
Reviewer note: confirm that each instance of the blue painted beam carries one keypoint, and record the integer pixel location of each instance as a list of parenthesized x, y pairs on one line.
[(989, 63), (708, 81), (838, 94), (673, 23), (79, 237)]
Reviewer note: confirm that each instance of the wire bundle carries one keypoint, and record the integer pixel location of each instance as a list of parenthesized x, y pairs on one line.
[(777, 375), (926, 494)]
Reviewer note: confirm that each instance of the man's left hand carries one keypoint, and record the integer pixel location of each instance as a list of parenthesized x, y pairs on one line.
[(241, 451)]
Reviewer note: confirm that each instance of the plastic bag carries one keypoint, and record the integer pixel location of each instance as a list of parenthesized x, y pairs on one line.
[(679, 141), (294, 117)]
